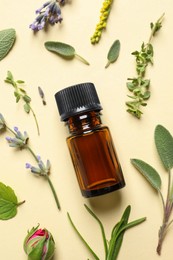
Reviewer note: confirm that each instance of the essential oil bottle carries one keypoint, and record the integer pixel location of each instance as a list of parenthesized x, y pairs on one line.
[(90, 143)]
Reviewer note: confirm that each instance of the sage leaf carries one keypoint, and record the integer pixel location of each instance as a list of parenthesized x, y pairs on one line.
[(148, 172), (7, 39), (8, 202), (116, 241), (164, 145), (64, 50), (113, 53)]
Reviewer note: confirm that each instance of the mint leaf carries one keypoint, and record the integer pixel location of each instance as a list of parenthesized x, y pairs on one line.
[(7, 39), (8, 202)]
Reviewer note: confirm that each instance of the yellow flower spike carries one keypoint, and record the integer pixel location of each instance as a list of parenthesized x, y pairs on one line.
[(104, 14)]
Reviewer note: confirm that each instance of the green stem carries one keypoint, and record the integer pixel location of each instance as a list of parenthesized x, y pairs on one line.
[(159, 21), (82, 59), (83, 240), (20, 203), (10, 130), (53, 191), (31, 151), (35, 118)]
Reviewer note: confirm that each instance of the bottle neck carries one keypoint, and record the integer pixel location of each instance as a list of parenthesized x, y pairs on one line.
[(84, 122)]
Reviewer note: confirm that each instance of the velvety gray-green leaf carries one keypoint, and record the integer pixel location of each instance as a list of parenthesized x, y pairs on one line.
[(7, 39), (164, 145), (8, 202), (60, 48), (148, 172), (113, 53)]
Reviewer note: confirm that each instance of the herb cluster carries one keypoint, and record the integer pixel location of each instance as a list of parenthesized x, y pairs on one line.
[(164, 145), (139, 86)]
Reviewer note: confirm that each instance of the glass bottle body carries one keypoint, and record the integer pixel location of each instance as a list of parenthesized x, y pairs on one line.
[(93, 155)]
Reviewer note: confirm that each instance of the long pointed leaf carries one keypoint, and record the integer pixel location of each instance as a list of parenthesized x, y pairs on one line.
[(148, 172), (164, 145), (81, 237), (101, 227), (116, 241)]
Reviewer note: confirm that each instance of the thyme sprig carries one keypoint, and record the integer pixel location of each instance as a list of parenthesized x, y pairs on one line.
[(139, 85), (20, 141), (21, 94)]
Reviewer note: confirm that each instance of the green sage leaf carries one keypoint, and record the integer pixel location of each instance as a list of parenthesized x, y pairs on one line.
[(7, 39), (8, 202), (164, 145), (64, 50), (148, 172), (60, 48), (113, 53)]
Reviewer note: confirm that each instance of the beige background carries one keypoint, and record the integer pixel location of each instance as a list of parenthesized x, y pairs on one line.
[(129, 22)]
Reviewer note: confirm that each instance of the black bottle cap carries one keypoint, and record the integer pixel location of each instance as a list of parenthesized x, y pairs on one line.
[(77, 99)]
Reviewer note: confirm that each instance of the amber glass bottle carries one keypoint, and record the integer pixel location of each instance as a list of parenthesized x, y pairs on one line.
[(90, 144)]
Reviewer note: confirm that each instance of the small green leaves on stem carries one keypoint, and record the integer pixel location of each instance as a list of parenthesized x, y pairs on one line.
[(64, 50), (164, 145), (113, 53), (8, 202), (21, 94), (7, 39), (113, 246), (139, 86)]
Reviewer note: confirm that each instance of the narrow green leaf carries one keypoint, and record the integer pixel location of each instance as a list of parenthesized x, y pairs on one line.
[(27, 108), (149, 173), (164, 145), (8, 202), (101, 227), (82, 239), (60, 48), (7, 39), (116, 241), (131, 224), (113, 53)]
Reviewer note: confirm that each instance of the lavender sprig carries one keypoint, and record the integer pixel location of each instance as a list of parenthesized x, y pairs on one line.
[(49, 12), (21, 141), (19, 94)]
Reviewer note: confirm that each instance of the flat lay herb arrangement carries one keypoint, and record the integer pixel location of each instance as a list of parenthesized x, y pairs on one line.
[(40, 243)]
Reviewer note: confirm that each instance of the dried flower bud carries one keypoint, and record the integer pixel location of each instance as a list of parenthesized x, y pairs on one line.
[(39, 244), (2, 122)]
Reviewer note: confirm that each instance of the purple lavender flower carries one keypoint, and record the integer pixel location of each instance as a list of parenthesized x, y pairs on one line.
[(41, 169), (49, 12), (19, 141)]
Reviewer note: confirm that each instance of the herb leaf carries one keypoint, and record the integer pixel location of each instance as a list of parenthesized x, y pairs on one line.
[(164, 144), (61, 48), (116, 242), (7, 39), (64, 50), (149, 173), (8, 202), (113, 53), (101, 227)]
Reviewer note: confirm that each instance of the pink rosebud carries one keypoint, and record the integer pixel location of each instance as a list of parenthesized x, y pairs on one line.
[(39, 244)]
